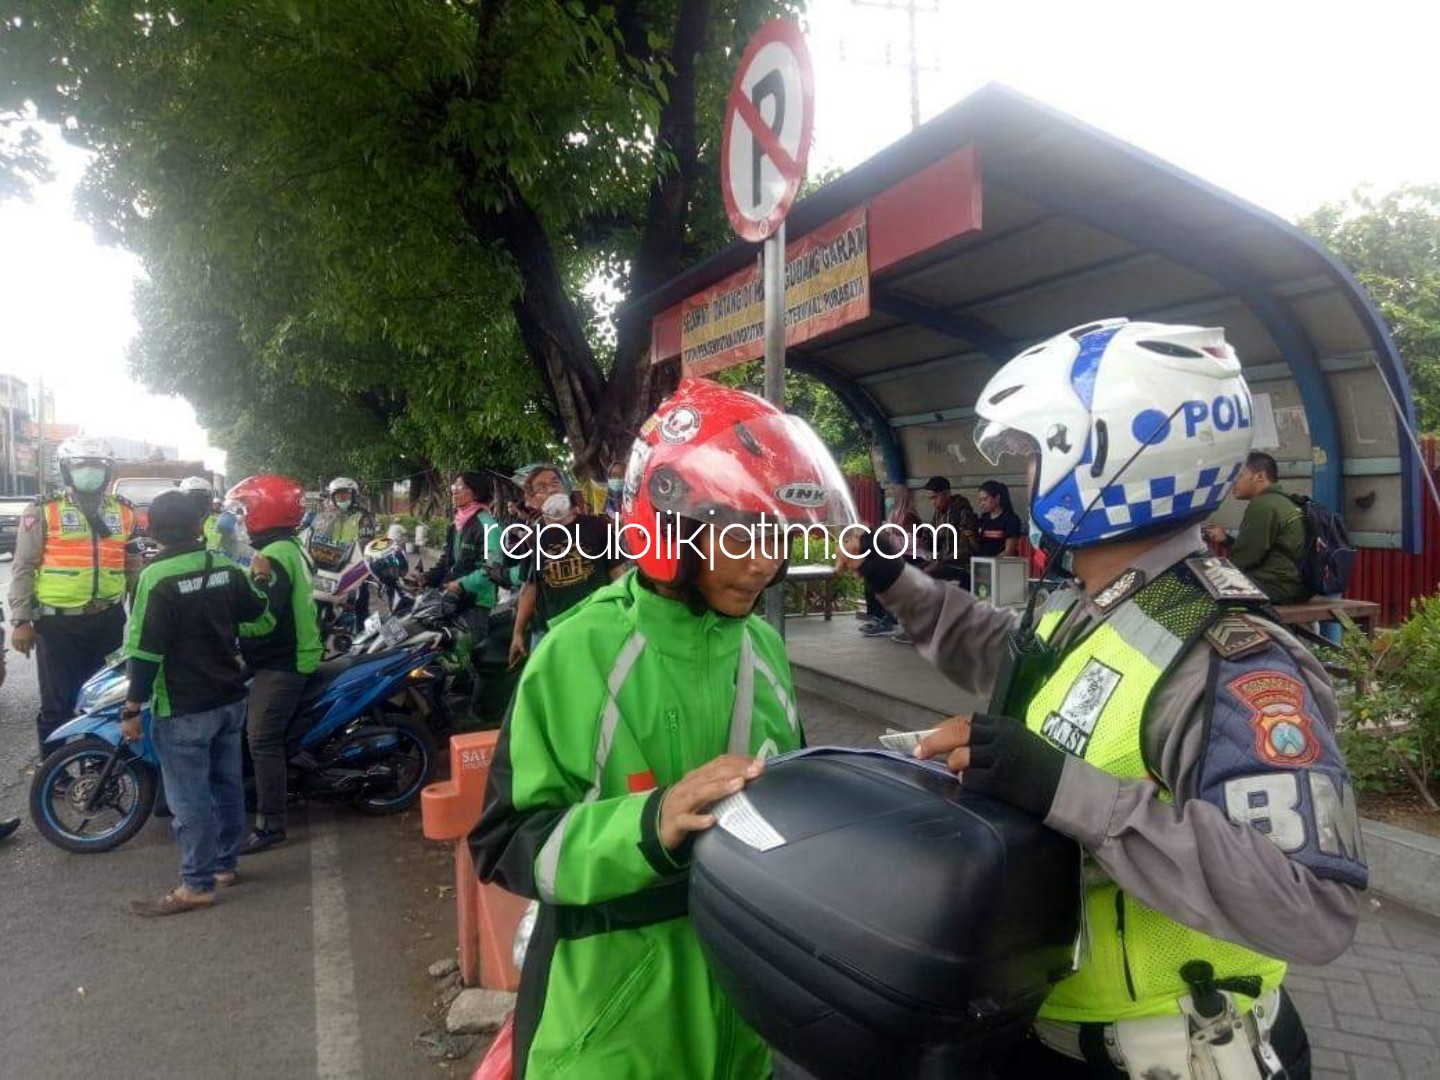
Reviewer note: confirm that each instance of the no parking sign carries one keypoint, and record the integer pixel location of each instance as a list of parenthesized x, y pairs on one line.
[(768, 119)]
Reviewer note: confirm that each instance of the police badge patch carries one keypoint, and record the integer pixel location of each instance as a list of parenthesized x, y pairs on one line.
[(1073, 725), (1284, 734)]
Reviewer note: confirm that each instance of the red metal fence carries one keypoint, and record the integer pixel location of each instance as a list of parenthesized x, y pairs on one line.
[(1390, 578)]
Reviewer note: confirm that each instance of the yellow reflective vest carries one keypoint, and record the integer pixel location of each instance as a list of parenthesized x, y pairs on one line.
[(1093, 706), (79, 566)]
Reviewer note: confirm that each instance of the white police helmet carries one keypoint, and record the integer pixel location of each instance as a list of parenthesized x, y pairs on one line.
[(1085, 402), (83, 448), (343, 483), (196, 484), (85, 455)]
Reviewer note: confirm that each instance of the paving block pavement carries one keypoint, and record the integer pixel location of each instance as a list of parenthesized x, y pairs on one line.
[(1372, 1014)]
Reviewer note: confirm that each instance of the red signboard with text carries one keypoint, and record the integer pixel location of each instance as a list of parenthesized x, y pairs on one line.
[(827, 274)]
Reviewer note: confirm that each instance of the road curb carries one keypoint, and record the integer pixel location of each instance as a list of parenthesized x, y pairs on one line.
[(1404, 865), (861, 698)]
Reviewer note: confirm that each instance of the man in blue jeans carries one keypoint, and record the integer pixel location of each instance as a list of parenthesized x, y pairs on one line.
[(181, 645)]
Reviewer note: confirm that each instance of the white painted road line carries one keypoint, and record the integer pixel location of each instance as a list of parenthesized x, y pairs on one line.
[(337, 1020)]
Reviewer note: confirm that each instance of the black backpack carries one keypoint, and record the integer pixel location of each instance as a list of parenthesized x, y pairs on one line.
[(1328, 559)]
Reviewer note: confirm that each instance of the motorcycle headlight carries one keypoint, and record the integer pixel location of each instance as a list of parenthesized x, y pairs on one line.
[(105, 697)]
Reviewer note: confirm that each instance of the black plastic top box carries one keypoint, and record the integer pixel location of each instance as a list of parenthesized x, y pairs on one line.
[(876, 919)]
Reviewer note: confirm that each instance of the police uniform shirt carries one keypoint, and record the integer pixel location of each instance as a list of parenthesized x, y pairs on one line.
[(1187, 860)]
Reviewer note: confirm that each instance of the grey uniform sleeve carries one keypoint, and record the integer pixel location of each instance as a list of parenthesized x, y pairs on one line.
[(29, 550), (1226, 868), (962, 637)]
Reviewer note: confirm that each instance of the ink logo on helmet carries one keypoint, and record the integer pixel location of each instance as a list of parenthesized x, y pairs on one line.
[(680, 425), (1284, 734), (802, 493)]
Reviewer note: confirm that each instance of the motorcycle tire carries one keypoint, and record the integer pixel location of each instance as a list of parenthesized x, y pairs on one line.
[(53, 771), (421, 740)]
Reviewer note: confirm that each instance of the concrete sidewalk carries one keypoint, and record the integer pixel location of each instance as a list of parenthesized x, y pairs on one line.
[(1372, 1014)]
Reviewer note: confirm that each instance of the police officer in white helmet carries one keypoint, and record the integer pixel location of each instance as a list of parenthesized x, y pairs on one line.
[(1153, 710), (68, 580)]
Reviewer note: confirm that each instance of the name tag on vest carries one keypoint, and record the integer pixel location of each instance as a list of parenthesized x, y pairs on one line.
[(1072, 726)]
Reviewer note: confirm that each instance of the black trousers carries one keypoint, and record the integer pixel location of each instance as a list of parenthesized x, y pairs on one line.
[(68, 650), (275, 698)]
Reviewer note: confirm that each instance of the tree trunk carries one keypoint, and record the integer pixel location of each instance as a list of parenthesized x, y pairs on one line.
[(630, 396)]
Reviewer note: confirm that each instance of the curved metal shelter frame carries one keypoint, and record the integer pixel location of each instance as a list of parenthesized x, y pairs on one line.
[(1002, 222)]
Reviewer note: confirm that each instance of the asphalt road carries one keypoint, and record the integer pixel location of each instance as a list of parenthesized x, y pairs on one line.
[(314, 966)]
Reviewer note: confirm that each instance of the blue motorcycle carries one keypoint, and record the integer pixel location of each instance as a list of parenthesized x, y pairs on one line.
[(352, 742)]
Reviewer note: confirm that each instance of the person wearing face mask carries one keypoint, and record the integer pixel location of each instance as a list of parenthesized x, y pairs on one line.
[(614, 490), (641, 709), (574, 554), (472, 548), (68, 579)]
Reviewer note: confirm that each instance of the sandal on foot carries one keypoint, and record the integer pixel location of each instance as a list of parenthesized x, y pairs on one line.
[(172, 903)]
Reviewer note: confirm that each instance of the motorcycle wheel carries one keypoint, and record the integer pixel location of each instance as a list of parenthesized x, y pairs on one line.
[(63, 783), (411, 776)]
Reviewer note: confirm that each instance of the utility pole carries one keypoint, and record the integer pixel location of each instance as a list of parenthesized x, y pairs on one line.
[(911, 8), (40, 444), (11, 488)]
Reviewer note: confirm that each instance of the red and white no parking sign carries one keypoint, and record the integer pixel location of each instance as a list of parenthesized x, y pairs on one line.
[(768, 117)]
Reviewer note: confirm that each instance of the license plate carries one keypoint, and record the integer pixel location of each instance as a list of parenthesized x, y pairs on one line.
[(393, 631)]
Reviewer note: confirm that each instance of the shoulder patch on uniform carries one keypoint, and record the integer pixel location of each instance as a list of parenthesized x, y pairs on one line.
[(1126, 584), (1284, 732), (1234, 636), (1271, 763), (1223, 580)]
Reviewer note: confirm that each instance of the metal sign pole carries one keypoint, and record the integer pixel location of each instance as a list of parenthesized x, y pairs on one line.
[(775, 373)]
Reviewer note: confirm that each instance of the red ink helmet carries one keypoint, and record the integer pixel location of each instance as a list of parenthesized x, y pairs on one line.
[(724, 457)]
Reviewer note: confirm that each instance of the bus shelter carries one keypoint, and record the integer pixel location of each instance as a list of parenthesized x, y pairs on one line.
[(1003, 222)]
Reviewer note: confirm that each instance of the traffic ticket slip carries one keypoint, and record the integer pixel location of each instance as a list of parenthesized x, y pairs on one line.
[(904, 741)]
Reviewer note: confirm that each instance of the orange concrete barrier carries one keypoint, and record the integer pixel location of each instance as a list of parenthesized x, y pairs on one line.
[(485, 915)]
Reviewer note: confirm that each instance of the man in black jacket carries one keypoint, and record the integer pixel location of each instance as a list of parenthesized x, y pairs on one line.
[(181, 644)]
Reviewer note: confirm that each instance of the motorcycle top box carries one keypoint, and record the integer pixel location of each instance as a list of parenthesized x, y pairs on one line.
[(868, 917)]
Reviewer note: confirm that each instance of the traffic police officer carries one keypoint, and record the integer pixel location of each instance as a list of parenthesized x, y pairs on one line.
[(1155, 713), (69, 578)]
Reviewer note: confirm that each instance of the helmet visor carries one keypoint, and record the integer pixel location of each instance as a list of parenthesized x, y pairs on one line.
[(770, 470)]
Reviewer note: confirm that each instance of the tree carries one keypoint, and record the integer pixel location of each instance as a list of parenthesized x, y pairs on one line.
[(1392, 243), (401, 203)]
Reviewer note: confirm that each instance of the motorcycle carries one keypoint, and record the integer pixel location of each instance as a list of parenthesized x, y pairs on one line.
[(341, 576), (446, 688), (351, 743)]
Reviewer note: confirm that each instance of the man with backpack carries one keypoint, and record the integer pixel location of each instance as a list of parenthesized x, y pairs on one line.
[(1271, 542)]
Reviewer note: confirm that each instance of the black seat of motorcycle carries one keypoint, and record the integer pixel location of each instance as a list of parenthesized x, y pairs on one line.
[(903, 928)]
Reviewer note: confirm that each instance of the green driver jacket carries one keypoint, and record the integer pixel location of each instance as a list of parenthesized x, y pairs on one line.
[(627, 693)]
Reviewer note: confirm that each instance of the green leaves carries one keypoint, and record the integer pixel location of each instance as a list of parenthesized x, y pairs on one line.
[(1392, 243), (344, 206)]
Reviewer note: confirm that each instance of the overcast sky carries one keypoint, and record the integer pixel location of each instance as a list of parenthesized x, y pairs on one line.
[(1287, 104)]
